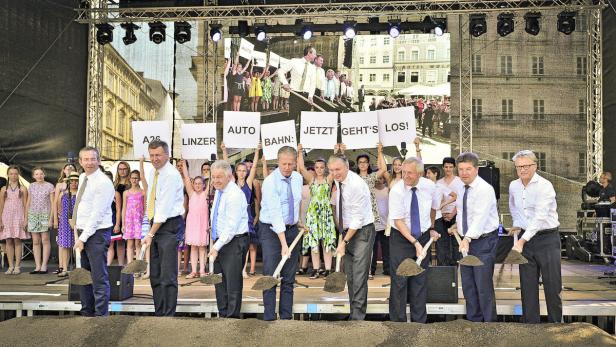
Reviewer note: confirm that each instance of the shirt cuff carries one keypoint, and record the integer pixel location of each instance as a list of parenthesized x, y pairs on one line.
[(218, 245), (85, 235), (278, 229)]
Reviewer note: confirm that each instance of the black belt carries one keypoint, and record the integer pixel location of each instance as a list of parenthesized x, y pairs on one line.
[(541, 232), (289, 226), (367, 225), (495, 232), (236, 236)]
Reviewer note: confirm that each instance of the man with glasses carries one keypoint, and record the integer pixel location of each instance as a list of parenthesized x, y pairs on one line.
[(532, 203)]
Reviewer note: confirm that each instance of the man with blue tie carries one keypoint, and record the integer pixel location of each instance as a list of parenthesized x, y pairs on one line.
[(278, 228), (477, 222), (413, 202), (230, 237)]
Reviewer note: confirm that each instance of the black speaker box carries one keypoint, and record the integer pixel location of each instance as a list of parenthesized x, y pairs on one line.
[(443, 284), (491, 175), (575, 249), (121, 285)]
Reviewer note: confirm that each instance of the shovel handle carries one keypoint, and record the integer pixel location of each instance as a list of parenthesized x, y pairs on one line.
[(211, 259), (338, 261), (286, 256), (78, 260), (421, 257), (464, 254), (142, 251)]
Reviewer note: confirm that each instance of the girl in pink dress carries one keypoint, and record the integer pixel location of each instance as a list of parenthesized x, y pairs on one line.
[(133, 209), (13, 223), (197, 222)]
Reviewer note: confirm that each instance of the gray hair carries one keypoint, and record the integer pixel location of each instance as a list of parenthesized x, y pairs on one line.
[(287, 150), (468, 157), (89, 149), (525, 154), (221, 165), (159, 143), (419, 165), (338, 157)]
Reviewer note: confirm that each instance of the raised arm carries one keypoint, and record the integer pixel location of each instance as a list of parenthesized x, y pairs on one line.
[(225, 154), (144, 182), (417, 143), (300, 164), (246, 67), (186, 179), (253, 169), (227, 67), (381, 161), (265, 169)]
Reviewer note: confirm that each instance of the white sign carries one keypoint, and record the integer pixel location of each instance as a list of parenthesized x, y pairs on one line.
[(397, 125), (146, 132), (284, 61), (227, 42), (274, 59), (260, 58), (319, 130), (198, 140), (246, 49), (359, 129), (276, 135), (241, 129)]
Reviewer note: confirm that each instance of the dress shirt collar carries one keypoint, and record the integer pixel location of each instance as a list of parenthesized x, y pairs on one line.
[(280, 175), (96, 172), (473, 184), (226, 188), (534, 179), (347, 178)]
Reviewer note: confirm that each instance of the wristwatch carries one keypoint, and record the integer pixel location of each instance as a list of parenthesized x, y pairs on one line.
[(346, 242), (150, 235)]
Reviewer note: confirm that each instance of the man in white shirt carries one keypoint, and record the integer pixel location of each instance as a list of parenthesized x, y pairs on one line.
[(278, 217), (356, 223), (477, 223), (331, 90), (447, 248), (92, 221), (303, 81), (229, 218), (165, 210), (412, 206), (320, 76), (532, 203)]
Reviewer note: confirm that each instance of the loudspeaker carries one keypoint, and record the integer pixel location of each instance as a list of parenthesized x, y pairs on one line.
[(575, 249), (442, 284), (121, 285), (491, 175), (348, 54)]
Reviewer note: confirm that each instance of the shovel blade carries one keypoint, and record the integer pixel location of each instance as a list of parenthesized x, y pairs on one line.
[(515, 257), (80, 277), (471, 260), (135, 266), (211, 279), (265, 283), (335, 282), (408, 267)]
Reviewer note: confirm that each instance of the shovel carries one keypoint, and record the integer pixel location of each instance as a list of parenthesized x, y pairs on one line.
[(79, 276), (335, 282), (268, 282), (138, 265), (409, 267), (211, 278), (468, 260), (515, 257)]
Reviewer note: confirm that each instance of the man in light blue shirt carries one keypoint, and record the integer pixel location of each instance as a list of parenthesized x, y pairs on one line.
[(229, 218), (282, 193)]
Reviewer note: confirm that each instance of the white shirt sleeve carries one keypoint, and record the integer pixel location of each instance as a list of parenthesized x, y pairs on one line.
[(483, 204), (103, 197), (545, 196)]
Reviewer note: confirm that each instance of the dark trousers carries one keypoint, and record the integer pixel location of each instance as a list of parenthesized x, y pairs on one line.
[(427, 123), (270, 246), (413, 288), (380, 240), (446, 246), (297, 105), (95, 296), (164, 267), (477, 284), (356, 266), (230, 262), (543, 254)]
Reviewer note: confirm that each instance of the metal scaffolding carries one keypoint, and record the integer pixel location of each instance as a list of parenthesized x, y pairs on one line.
[(211, 13)]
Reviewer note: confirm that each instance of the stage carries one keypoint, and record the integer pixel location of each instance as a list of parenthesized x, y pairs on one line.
[(586, 297)]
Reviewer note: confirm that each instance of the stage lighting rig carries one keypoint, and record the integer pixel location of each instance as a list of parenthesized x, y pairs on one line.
[(181, 32), (349, 29), (306, 31), (477, 24), (505, 24), (394, 29), (532, 23), (157, 32), (104, 33), (215, 32), (260, 33), (129, 34)]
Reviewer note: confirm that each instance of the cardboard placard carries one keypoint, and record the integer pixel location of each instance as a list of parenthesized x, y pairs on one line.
[(148, 131), (260, 58), (276, 135), (397, 125), (199, 140), (241, 129), (318, 130), (227, 42), (359, 129), (246, 49), (274, 59)]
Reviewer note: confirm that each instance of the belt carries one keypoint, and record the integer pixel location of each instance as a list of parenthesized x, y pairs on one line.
[(495, 232), (236, 236), (542, 232), (367, 225), (289, 226)]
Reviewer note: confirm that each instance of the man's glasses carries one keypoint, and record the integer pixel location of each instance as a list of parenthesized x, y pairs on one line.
[(524, 167)]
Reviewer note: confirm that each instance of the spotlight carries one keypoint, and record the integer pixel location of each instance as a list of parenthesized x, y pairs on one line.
[(394, 29), (260, 33), (505, 24), (477, 24), (440, 26), (104, 33), (129, 36), (215, 32), (157, 32), (349, 29), (306, 32), (532, 23), (181, 32), (566, 22)]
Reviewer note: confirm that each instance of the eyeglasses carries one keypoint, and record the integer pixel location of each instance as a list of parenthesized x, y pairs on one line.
[(362, 162), (524, 167)]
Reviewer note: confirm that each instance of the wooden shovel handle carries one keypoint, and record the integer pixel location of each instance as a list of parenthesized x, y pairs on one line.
[(426, 248), (338, 261), (464, 254), (78, 260), (286, 256), (144, 247), (211, 259)]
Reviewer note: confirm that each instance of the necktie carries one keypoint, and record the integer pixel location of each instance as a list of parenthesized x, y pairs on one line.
[(340, 222), (82, 188), (215, 216), (301, 85), (465, 211), (290, 202), (415, 222), (152, 197)]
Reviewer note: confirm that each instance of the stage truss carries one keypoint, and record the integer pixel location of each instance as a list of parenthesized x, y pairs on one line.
[(98, 12)]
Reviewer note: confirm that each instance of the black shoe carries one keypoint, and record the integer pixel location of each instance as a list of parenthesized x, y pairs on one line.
[(302, 271), (326, 273), (370, 276), (59, 271), (34, 272), (314, 274)]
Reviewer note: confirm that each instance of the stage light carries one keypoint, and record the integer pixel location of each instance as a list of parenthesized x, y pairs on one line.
[(394, 29), (440, 26), (532, 23), (505, 24), (478, 25), (157, 32), (260, 33), (349, 29), (181, 32), (104, 33), (215, 32), (306, 32), (566, 22), (129, 36)]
